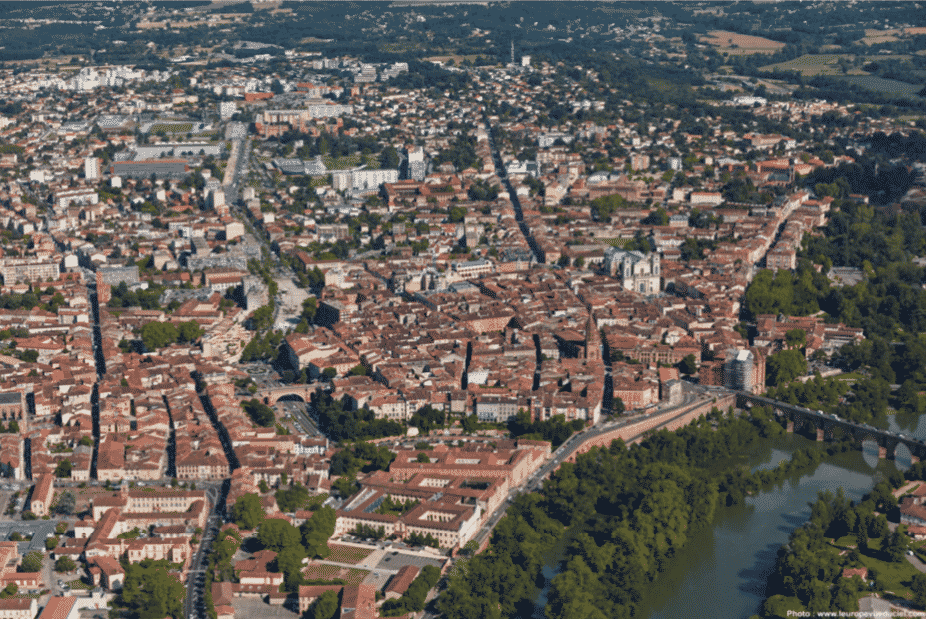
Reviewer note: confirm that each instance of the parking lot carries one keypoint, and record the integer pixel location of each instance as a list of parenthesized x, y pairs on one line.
[(39, 529), (396, 560)]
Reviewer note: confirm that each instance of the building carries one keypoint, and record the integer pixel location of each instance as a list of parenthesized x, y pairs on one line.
[(144, 168), (637, 272), (116, 275), (42, 494), (227, 109), (61, 608), (18, 608), (361, 180), (91, 168), (744, 370)]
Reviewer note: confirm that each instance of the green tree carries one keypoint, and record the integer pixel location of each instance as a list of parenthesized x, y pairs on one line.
[(65, 564), (66, 503), (63, 469), (796, 338), (190, 331), (325, 607), (155, 335), (784, 366), (9, 591), (150, 591), (247, 512), (896, 545), (918, 586), (32, 562), (389, 158), (688, 365), (260, 413), (276, 534), (317, 530), (423, 457)]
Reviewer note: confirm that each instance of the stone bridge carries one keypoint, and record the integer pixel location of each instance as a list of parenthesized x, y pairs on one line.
[(271, 396), (799, 417)]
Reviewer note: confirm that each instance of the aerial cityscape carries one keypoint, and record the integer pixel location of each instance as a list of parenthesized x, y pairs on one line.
[(462, 309)]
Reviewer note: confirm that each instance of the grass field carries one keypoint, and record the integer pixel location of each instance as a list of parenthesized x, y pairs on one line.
[(741, 43), (348, 554), (886, 86), (811, 64), (172, 127), (341, 163), (351, 576)]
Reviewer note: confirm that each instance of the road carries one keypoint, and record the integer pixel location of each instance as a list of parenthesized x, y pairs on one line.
[(193, 605)]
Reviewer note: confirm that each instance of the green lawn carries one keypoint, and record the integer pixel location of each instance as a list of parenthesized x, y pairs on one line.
[(172, 127), (896, 577)]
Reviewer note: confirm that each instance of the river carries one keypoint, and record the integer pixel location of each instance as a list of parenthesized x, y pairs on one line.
[(722, 573)]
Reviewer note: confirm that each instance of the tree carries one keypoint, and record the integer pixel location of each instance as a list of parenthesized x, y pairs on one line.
[(796, 338), (190, 331), (32, 562), (317, 530), (291, 499), (66, 503), (155, 335), (65, 564), (260, 413), (30, 356), (784, 366), (423, 457), (896, 545), (919, 590), (277, 534), (63, 469), (247, 512), (9, 591), (688, 365), (389, 158), (150, 591), (325, 607), (470, 423)]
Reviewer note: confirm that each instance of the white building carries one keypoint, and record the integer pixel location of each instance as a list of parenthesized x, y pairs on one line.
[(359, 180), (227, 109), (636, 271), (91, 168)]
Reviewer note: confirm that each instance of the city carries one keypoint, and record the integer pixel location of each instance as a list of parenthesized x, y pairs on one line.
[(461, 309)]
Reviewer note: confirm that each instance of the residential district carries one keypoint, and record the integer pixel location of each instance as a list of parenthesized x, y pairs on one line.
[(215, 278)]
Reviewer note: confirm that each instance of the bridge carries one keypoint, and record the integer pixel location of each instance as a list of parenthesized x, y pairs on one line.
[(272, 395), (799, 417)]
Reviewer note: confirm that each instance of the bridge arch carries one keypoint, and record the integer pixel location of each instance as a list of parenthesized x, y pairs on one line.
[(301, 392)]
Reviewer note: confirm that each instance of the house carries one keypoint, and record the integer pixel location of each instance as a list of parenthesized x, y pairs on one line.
[(42, 493), (60, 608), (17, 608)]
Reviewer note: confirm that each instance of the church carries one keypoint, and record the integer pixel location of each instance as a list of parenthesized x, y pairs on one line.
[(637, 272)]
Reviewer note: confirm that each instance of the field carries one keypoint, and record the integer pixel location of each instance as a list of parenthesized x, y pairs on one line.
[(741, 43), (320, 571), (171, 127), (886, 86), (348, 554), (341, 163), (810, 65)]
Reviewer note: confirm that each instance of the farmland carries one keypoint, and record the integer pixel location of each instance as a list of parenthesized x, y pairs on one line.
[(741, 43), (810, 65)]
